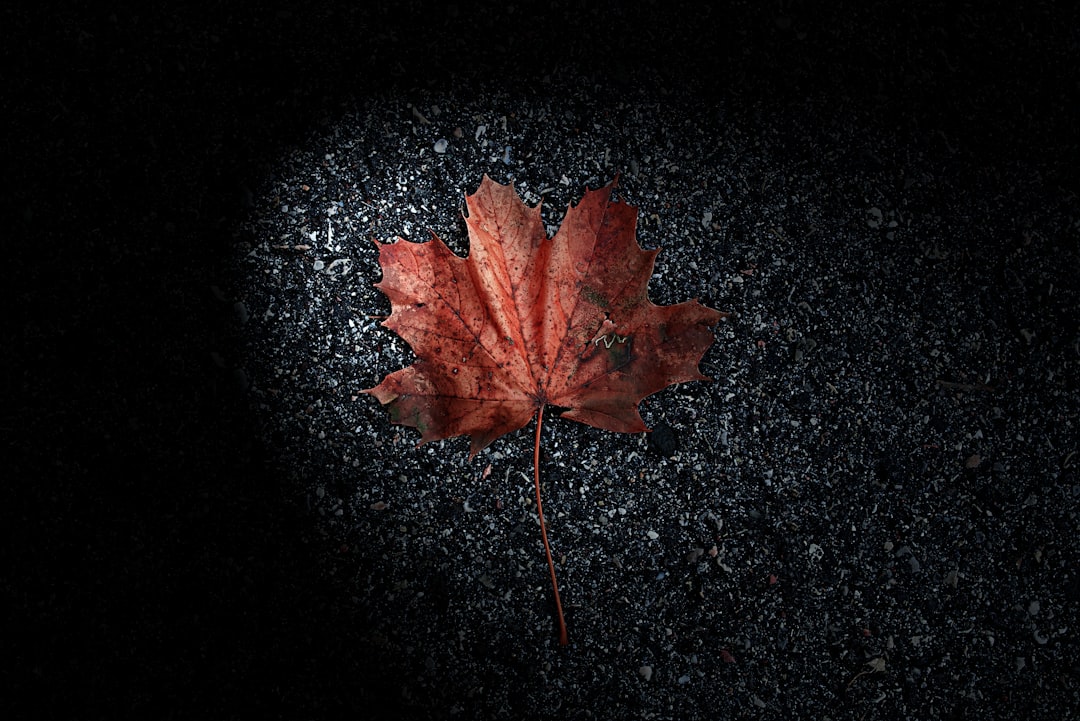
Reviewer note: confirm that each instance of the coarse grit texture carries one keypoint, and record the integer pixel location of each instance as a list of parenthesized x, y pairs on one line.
[(870, 512), (844, 523)]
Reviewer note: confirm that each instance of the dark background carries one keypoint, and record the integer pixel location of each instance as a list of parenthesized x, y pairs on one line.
[(153, 562)]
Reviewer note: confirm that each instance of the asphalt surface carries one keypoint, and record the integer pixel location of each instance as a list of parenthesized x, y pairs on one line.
[(869, 513)]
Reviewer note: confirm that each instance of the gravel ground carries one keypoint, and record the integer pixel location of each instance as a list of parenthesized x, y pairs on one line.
[(870, 512)]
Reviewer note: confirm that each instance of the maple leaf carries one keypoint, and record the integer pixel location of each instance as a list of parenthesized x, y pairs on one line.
[(525, 322)]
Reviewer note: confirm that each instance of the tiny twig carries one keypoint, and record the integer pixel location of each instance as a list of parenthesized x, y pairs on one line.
[(859, 675), (876, 666), (966, 386)]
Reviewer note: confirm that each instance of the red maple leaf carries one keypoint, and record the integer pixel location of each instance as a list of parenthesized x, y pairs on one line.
[(526, 321)]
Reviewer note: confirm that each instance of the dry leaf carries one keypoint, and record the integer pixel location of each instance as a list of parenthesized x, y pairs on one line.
[(526, 321)]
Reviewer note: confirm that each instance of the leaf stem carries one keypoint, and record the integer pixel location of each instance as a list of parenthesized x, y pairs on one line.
[(543, 530)]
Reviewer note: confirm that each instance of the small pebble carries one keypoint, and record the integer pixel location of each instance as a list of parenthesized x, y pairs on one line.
[(338, 268), (694, 555)]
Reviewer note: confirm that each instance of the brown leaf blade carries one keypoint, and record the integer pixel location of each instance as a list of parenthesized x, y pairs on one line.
[(525, 321)]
